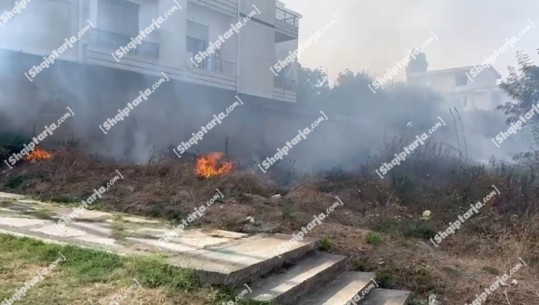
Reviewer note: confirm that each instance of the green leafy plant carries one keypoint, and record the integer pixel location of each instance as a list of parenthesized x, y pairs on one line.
[(374, 238), (325, 244)]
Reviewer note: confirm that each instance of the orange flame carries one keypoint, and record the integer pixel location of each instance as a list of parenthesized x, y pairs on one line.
[(210, 165), (38, 154)]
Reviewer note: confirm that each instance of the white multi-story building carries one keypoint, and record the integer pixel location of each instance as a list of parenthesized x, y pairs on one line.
[(463, 88), (240, 65)]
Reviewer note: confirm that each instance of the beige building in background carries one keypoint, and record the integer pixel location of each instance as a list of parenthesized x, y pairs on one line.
[(461, 89)]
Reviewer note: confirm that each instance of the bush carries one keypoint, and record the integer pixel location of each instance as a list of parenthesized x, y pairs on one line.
[(374, 238), (11, 142), (385, 279), (287, 211), (15, 181), (420, 229), (325, 244)]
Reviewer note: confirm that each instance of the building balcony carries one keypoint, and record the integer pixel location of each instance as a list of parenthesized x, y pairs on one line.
[(286, 17), (214, 65), (229, 7), (284, 89), (286, 84), (112, 41), (211, 72), (286, 25)]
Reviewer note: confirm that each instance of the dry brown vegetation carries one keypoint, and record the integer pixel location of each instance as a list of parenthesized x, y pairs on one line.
[(380, 226)]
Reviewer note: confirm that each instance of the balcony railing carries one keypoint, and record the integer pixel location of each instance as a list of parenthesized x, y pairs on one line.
[(287, 84), (286, 17), (113, 41), (213, 64)]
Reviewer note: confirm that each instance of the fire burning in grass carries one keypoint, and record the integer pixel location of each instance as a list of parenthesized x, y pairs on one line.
[(38, 154), (211, 165)]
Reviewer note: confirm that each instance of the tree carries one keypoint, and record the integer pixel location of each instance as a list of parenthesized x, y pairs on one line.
[(522, 86), (351, 96), (313, 85)]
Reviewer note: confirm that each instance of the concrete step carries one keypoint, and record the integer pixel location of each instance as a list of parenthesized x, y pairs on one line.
[(308, 274), (241, 261), (387, 297), (342, 290)]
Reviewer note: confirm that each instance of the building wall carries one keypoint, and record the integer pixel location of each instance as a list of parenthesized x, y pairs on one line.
[(218, 24), (41, 27), (481, 93), (171, 35), (485, 99), (257, 45), (446, 82)]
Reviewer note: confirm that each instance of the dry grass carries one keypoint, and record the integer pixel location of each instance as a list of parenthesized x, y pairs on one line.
[(506, 229)]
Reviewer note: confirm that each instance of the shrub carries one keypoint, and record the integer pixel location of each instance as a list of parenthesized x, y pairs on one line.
[(325, 244), (385, 279), (420, 229), (15, 181), (11, 142), (287, 211), (374, 238)]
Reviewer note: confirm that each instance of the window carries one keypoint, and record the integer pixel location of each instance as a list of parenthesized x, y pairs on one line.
[(197, 39), (196, 45), (461, 80), (107, 17), (198, 30)]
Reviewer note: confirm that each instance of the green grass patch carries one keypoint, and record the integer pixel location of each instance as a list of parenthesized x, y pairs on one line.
[(374, 238), (92, 266), (64, 200), (414, 228), (227, 296)]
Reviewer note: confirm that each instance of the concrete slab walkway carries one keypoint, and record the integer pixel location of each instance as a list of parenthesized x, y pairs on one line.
[(220, 257), (300, 275)]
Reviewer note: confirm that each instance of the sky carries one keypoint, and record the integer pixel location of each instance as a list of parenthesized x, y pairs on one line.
[(374, 35)]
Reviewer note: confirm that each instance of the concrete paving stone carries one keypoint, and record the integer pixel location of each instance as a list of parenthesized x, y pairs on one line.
[(20, 222), (242, 259), (308, 274), (101, 227), (341, 290), (93, 239), (387, 297), (60, 231), (11, 196), (140, 220)]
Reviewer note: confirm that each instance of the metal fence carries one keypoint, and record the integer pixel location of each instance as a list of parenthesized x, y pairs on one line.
[(286, 17), (287, 84), (113, 41)]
